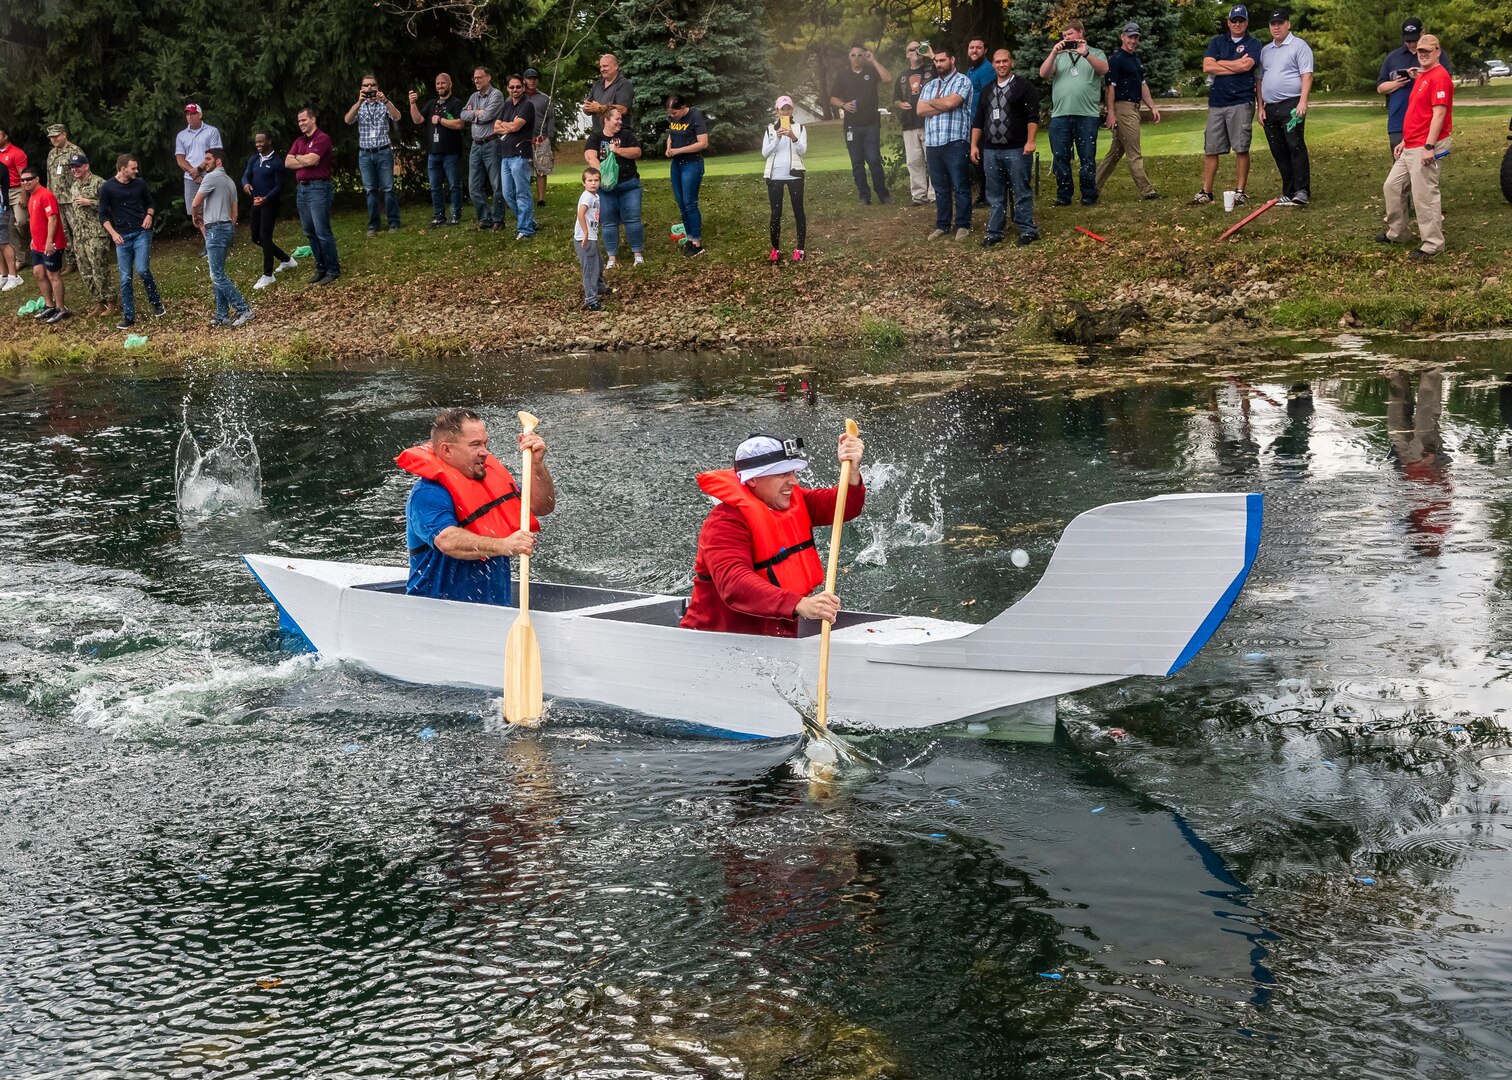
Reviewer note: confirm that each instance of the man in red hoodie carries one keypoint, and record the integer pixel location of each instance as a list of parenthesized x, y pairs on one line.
[(757, 568)]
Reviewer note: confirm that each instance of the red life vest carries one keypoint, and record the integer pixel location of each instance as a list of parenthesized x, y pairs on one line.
[(488, 507), (782, 540)]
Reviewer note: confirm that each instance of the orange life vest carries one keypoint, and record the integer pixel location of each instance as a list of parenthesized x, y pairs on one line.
[(782, 541), (488, 507)]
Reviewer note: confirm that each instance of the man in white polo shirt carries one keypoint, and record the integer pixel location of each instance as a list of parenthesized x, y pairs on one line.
[(1285, 85)]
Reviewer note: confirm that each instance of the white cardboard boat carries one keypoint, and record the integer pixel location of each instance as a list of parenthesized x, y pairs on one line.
[(1133, 588)]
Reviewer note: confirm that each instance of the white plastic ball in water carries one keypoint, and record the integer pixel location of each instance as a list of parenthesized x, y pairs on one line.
[(1019, 557)]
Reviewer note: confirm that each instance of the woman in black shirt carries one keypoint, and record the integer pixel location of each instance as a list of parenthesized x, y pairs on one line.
[(687, 142), (619, 203)]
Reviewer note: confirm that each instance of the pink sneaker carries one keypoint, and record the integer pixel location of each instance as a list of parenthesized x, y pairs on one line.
[(797, 254), (775, 256)]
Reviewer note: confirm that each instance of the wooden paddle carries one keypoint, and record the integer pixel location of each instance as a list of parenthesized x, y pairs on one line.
[(522, 656), (821, 719)]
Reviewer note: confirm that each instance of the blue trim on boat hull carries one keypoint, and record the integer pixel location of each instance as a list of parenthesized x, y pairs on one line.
[(286, 621), (1254, 514)]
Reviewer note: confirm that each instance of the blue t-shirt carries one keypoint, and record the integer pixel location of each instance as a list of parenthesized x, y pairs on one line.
[(981, 76), (429, 511), (1234, 89), (1126, 76)]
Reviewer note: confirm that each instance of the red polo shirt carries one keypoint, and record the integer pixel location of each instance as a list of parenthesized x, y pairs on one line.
[(1432, 88), (43, 207), (318, 143), (14, 159)]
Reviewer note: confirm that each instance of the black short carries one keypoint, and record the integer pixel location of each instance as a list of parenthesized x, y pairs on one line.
[(53, 262)]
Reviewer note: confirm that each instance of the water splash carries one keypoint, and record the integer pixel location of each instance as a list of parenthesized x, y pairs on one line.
[(905, 529), (227, 478)]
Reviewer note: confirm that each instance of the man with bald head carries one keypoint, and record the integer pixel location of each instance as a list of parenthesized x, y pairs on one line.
[(609, 90)]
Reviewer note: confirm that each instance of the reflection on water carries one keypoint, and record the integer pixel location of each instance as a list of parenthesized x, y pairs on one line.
[(1288, 859)]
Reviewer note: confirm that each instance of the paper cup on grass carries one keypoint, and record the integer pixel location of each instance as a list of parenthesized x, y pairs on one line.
[(1228, 202)]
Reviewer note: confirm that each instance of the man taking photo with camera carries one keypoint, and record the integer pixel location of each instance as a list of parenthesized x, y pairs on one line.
[(372, 112)]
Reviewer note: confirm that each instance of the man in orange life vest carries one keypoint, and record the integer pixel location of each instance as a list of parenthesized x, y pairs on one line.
[(462, 518), (756, 568)]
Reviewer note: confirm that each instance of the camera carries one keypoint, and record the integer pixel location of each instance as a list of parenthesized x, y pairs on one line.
[(370, 93)]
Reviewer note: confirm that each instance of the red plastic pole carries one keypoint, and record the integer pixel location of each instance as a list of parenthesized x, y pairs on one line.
[(1089, 232), (1235, 228)]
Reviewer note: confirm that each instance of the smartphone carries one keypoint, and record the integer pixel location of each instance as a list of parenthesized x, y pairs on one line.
[(784, 123)]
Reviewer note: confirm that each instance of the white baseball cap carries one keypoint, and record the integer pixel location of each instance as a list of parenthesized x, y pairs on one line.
[(762, 455)]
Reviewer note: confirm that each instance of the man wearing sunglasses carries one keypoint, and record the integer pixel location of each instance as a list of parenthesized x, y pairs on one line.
[(906, 98), (1427, 127), (1398, 71)]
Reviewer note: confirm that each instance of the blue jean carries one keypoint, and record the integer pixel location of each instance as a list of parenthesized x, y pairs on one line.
[(1008, 170), (1080, 131), (445, 169), (483, 182), (313, 197), (621, 205), (377, 168), (950, 174), (865, 145), (515, 176), (228, 297), (134, 253), (687, 178)]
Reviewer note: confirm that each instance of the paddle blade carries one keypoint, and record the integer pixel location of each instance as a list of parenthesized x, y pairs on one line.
[(527, 422), (522, 676)]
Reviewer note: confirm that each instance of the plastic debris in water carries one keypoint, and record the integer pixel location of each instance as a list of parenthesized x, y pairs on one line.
[(1098, 810), (268, 982), (1254, 656), (820, 752), (937, 836), (978, 729), (1366, 880), (351, 748), (954, 802), (1050, 975), (135, 341), (1019, 558), (427, 733)]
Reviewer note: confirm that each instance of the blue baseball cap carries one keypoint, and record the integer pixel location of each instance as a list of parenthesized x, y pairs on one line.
[(1238, 13)]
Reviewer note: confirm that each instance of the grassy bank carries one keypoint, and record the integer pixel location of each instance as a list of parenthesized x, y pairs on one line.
[(871, 278)]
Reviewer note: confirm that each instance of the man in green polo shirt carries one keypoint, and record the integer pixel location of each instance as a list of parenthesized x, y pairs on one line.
[(1077, 71)]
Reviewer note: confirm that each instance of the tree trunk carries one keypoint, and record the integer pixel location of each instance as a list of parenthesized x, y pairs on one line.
[(976, 19)]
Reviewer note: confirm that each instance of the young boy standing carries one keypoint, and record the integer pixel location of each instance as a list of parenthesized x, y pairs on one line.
[(585, 241)]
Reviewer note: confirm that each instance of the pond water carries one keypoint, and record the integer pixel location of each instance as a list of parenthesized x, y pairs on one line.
[(221, 858)]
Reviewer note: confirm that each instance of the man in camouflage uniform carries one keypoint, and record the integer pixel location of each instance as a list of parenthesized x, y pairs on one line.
[(92, 245), (60, 181)]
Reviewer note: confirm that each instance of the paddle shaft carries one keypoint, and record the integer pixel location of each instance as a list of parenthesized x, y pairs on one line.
[(821, 712), (522, 657), (525, 525)]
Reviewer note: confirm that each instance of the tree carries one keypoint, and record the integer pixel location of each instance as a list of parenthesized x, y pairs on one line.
[(1035, 25), (712, 52)]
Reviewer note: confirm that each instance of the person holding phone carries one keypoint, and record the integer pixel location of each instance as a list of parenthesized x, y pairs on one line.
[(1398, 71), (854, 93), (1077, 71), (373, 112), (783, 146)]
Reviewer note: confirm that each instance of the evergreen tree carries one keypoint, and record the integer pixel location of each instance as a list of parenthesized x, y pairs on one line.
[(1035, 25), (712, 52)]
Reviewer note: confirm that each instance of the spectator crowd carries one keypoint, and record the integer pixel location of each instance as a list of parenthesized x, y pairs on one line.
[(970, 137)]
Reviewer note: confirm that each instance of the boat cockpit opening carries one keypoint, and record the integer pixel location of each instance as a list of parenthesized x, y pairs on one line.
[(543, 596)]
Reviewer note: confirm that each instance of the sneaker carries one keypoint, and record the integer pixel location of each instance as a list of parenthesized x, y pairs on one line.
[(9, 283), (1415, 253), (937, 234), (1152, 196), (218, 322), (540, 202), (962, 234), (610, 263), (991, 241), (393, 228), (263, 282), (639, 258), (63, 313), (243, 319), (288, 264), (328, 279), (437, 221), (372, 231), (159, 310), (923, 202), (125, 324), (454, 220), (1202, 198), (45, 314), (1027, 239), (885, 200), (594, 306), (521, 236), (775, 256), (1240, 198), (1300, 198), (797, 254), (316, 278), (1382, 238), (1062, 202), (1284, 201), (692, 250)]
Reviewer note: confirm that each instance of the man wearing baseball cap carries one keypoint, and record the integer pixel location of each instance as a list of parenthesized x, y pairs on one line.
[(543, 137), (189, 151), (1286, 80), (1232, 61), (756, 568), (1126, 90), (91, 244), (60, 182), (1397, 72), (1426, 130)]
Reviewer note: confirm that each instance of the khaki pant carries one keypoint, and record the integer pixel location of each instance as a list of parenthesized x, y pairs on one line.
[(918, 169), (1409, 174), (20, 234), (1125, 144)]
